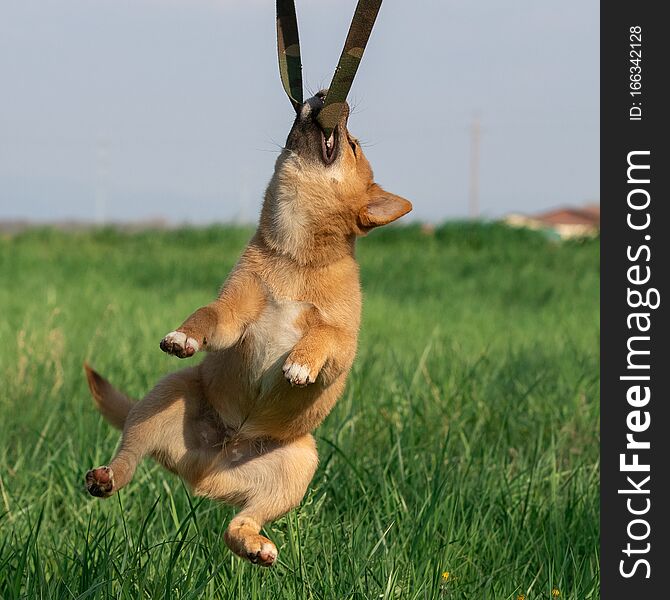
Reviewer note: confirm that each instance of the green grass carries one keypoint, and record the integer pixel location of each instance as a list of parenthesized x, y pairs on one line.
[(466, 441)]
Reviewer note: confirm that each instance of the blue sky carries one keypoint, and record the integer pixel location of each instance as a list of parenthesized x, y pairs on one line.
[(134, 109)]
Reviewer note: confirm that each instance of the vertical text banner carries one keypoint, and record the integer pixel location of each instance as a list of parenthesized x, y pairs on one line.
[(635, 337)]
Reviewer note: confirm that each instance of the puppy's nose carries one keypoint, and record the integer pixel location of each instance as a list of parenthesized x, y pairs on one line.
[(310, 109)]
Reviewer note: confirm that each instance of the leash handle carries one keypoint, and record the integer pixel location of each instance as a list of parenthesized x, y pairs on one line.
[(288, 50), (354, 46)]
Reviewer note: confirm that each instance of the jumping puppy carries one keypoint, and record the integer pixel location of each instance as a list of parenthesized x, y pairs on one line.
[(281, 338)]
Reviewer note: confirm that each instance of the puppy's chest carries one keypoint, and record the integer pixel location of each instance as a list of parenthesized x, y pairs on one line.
[(273, 334)]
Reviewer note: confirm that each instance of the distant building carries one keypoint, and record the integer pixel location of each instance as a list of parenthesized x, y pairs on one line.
[(566, 222)]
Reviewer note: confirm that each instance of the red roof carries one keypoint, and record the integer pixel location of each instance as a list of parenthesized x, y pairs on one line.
[(589, 215)]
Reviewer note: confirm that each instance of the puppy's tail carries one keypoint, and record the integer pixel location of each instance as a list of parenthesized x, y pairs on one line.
[(113, 405)]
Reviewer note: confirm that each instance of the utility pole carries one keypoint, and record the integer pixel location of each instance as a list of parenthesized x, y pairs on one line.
[(101, 180), (246, 209), (473, 197)]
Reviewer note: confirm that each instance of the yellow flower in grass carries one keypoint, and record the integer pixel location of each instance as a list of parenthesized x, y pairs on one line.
[(445, 576), (555, 593), (521, 597)]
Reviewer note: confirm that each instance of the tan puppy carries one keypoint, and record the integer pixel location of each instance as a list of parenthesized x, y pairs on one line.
[(281, 338)]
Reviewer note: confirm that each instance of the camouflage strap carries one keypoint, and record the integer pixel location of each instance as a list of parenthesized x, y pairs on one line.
[(288, 48), (290, 67), (354, 46)]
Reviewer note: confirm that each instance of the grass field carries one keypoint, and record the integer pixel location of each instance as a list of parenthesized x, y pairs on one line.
[(466, 441)]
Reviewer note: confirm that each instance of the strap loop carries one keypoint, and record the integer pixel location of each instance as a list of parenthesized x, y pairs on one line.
[(288, 50), (354, 46), (290, 67)]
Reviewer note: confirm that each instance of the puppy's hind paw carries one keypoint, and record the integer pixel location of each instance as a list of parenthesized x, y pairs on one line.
[(179, 344), (100, 482)]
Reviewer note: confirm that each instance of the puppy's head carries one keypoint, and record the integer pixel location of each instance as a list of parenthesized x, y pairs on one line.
[(323, 190)]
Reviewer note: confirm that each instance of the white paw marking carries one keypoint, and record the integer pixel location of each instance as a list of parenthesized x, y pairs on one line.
[(269, 552), (297, 374), (180, 339)]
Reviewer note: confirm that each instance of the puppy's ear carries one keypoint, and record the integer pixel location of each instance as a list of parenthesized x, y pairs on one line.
[(382, 208)]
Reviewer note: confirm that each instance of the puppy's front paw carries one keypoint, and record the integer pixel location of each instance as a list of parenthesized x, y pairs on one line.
[(298, 373), (261, 551), (100, 482), (179, 344)]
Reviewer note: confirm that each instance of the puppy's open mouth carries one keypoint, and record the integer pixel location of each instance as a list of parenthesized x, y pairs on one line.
[(328, 147)]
